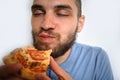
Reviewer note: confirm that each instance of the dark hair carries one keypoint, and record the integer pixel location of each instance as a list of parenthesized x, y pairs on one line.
[(79, 6)]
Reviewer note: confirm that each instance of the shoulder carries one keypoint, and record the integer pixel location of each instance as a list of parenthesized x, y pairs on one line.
[(89, 52), (96, 56), (88, 49)]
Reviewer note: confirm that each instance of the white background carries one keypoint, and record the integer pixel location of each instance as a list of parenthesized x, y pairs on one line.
[(102, 27)]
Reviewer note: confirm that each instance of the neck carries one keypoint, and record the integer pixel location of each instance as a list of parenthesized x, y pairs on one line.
[(63, 58)]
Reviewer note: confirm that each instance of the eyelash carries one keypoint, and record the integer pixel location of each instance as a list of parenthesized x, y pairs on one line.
[(60, 14), (37, 14), (40, 12)]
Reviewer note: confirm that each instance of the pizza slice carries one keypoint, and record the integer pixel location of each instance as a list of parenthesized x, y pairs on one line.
[(32, 60)]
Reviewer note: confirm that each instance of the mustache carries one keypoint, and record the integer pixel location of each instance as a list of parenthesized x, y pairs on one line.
[(48, 32)]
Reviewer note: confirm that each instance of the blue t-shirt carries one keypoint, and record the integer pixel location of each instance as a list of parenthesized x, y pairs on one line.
[(86, 63)]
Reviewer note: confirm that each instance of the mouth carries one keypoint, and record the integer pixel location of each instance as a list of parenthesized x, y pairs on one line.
[(45, 37)]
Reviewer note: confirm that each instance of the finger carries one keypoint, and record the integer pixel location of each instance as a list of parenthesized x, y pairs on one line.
[(14, 78), (42, 76), (5, 70), (62, 75), (11, 68), (55, 67)]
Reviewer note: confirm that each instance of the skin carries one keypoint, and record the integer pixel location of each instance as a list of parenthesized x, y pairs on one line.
[(52, 26)]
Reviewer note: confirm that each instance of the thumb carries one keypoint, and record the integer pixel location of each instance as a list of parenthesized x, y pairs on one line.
[(42, 76), (55, 67), (62, 75)]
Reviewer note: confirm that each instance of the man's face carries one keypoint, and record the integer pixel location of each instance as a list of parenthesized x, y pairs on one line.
[(54, 25)]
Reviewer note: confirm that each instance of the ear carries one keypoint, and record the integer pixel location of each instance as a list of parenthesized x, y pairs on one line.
[(81, 23)]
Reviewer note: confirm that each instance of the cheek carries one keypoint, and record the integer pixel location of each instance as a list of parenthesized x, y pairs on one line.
[(69, 26), (67, 31), (35, 24)]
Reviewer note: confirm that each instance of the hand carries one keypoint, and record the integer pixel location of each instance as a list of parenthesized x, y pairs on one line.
[(7, 72), (62, 75)]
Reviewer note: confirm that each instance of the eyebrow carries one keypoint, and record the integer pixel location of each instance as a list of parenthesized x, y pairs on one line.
[(63, 7), (36, 6)]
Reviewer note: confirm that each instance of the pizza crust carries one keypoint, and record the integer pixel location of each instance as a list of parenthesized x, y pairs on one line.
[(32, 60)]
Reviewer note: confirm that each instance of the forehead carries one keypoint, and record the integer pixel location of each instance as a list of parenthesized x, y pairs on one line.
[(53, 3)]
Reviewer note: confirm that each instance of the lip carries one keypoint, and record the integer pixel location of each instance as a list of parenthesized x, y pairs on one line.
[(44, 37)]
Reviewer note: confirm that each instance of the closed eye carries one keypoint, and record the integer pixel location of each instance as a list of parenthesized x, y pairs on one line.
[(38, 12), (63, 13)]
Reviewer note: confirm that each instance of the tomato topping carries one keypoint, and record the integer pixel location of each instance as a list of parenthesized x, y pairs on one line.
[(37, 55), (22, 60)]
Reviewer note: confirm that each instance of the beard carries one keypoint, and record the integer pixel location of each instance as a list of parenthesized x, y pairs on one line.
[(61, 47)]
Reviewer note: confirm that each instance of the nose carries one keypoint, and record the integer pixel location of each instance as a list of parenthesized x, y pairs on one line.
[(48, 22)]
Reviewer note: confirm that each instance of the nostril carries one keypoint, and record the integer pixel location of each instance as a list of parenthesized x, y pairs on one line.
[(47, 25), (46, 29)]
